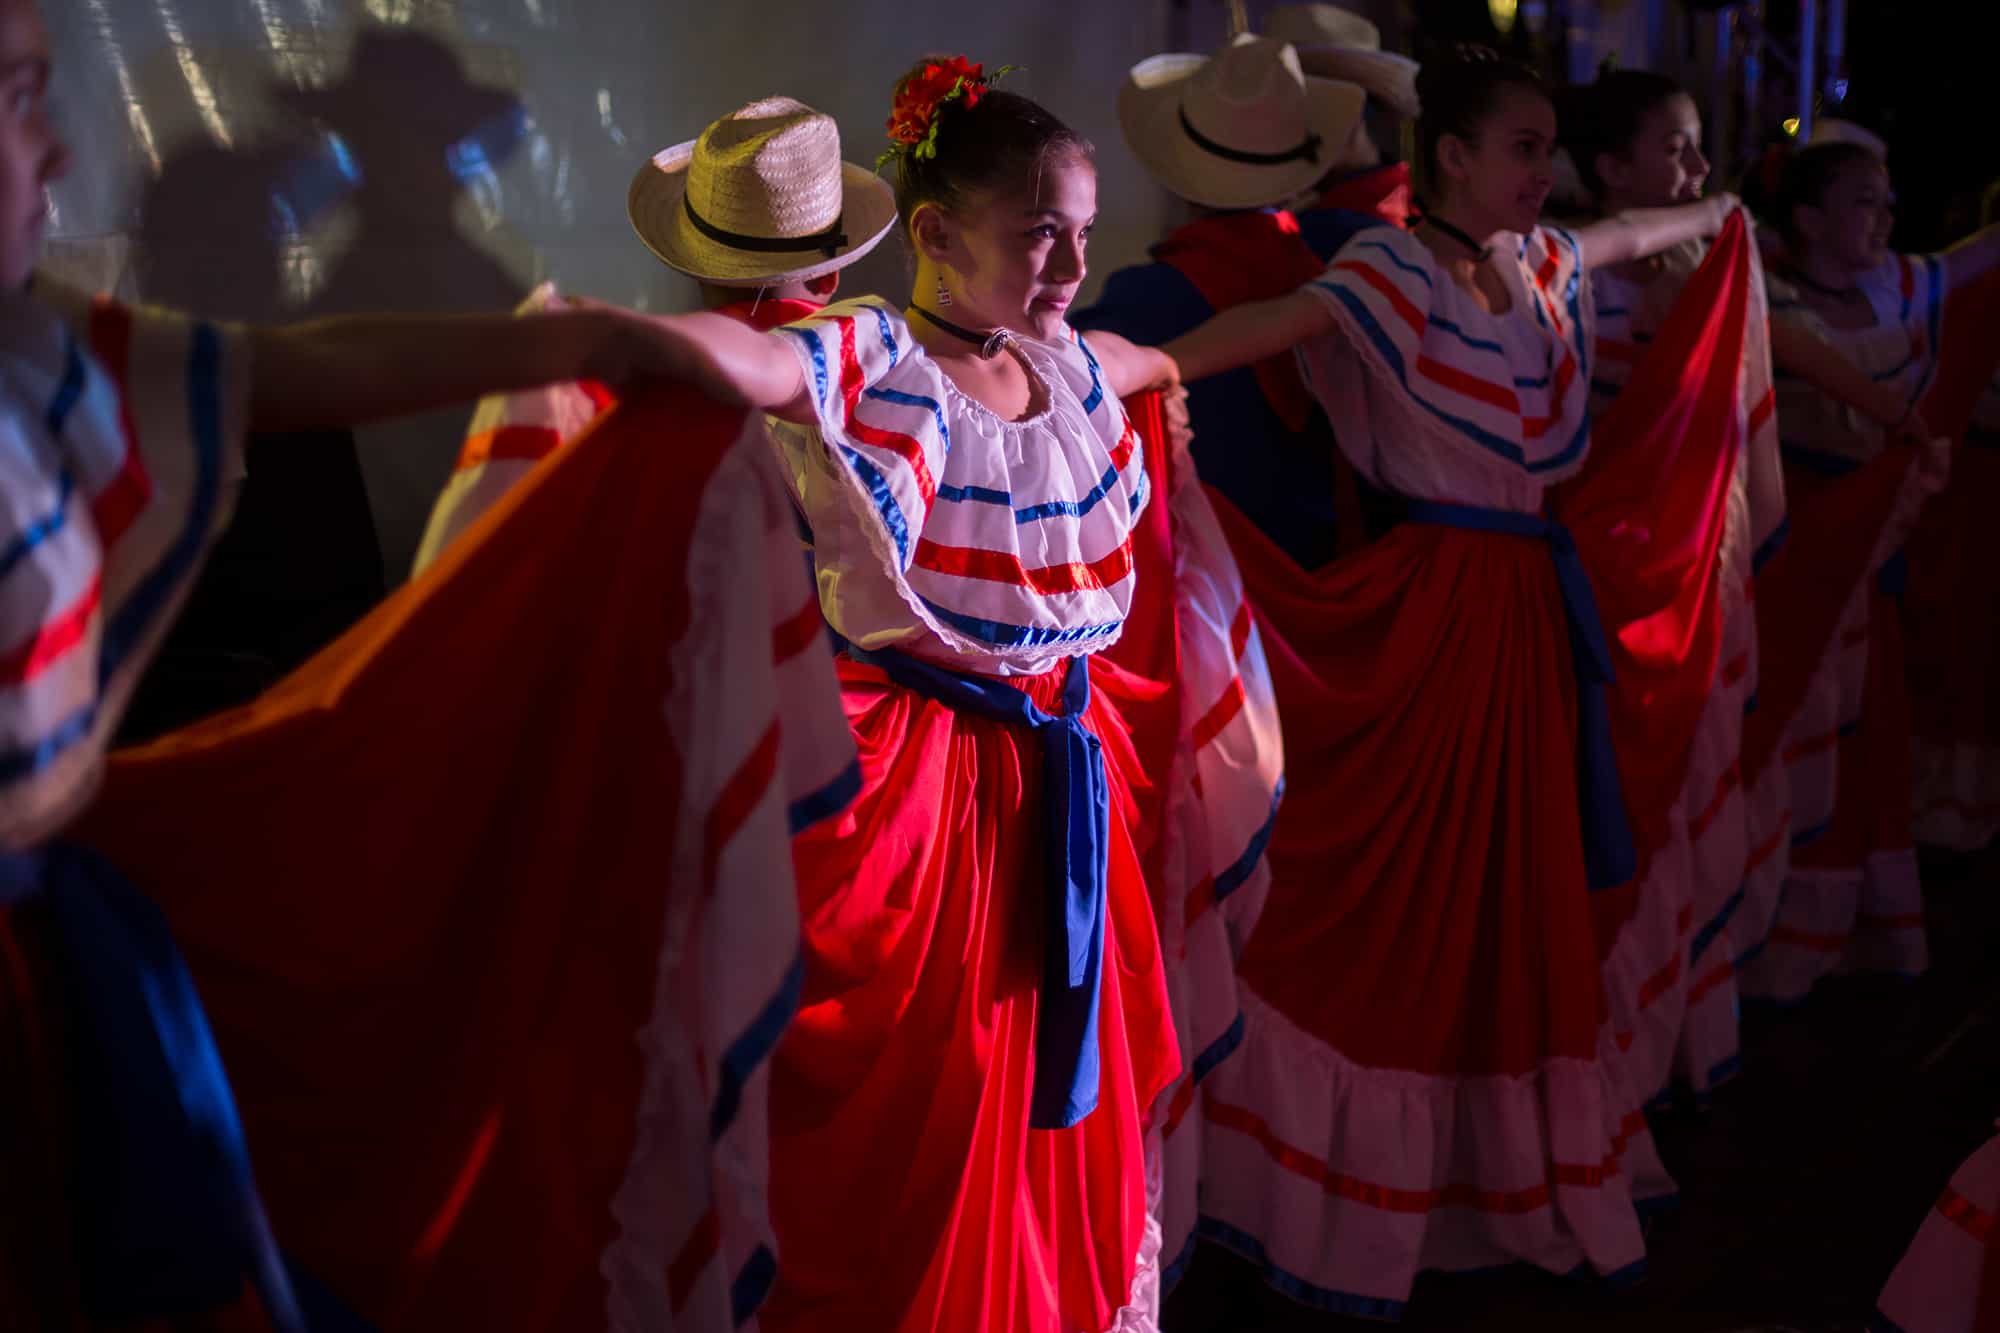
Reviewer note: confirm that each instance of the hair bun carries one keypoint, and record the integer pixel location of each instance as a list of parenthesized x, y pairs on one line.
[(1436, 77)]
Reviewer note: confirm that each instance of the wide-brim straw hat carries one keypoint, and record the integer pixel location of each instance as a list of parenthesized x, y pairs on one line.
[(1321, 25), (1244, 128), (1389, 77), (762, 197)]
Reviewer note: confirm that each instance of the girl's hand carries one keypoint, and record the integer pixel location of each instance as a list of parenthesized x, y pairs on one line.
[(1720, 206), (1160, 371), (1180, 426)]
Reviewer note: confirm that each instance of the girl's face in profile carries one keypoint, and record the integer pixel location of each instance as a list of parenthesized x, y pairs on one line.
[(1018, 249)]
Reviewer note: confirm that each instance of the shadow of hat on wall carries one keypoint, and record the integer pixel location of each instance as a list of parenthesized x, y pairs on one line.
[(406, 82)]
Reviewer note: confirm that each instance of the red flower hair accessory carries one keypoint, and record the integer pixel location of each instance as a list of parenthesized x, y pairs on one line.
[(913, 119)]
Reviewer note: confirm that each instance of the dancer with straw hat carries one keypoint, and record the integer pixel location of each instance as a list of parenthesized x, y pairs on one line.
[(1236, 135), (1363, 179), (760, 210), (1448, 759), (761, 204)]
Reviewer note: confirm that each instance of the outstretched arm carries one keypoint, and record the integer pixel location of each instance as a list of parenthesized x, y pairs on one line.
[(1130, 368), (360, 368), (1246, 334), (1972, 257), (1803, 353), (1640, 232)]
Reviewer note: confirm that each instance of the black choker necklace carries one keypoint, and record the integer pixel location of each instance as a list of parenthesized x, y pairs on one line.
[(988, 343), (1480, 253), (1837, 293)]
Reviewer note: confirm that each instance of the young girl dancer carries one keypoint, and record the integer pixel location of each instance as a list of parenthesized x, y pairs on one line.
[(760, 210), (985, 1015), (129, 1187), (1852, 897), (1636, 140), (1420, 1084), (1952, 616)]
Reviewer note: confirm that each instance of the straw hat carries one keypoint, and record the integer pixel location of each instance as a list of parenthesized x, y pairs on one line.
[(1242, 129), (761, 197), (1388, 77), (1321, 25)]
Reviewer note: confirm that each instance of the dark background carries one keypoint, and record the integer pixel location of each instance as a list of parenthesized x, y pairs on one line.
[(1913, 71)]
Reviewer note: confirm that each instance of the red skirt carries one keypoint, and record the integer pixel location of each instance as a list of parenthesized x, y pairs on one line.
[(909, 1192), (1661, 516), (1853, 901), (1834, 710), (1420, 1083), (1429, 839), (488, 929)]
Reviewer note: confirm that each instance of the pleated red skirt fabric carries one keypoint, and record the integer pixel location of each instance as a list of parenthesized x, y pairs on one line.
[(1427, 691), (1420, 1082), (1853, 900), (489, 933), (1651, 513), (910, 1193)]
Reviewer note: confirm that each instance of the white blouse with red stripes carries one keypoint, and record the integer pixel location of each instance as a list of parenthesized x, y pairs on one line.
[(946, 532), (1436, 398), (120, 449)]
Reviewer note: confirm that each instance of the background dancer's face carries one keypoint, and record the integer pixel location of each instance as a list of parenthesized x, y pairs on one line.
[(1498, 178), (1850, 225), (1013, 254), (1663, 165), (31, 156)]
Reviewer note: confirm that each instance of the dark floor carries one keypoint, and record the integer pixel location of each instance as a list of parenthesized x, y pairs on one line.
[(1800, 1187)]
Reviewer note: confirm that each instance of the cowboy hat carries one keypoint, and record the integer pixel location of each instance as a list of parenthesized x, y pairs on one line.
[(761, 197), (1388, 78), (1242, 129), (1321, 25)]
